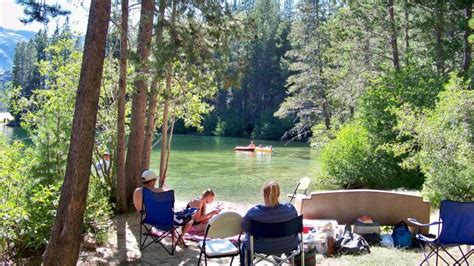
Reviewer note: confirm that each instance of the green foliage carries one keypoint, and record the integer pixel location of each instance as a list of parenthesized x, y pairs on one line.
[(98, 211), (349, 160), (443, 145), (242, 110), (14, 171), (381, 158), (34, 175), (321, 136), (234, 125), (41, 205), (27, 210), (412, 85), (271, 127), (48, 113)]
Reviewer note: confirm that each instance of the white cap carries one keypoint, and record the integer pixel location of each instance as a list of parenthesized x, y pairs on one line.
[(148, 175)]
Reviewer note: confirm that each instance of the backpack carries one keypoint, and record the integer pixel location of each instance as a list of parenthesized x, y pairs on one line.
[(351, 243), (401, 235)]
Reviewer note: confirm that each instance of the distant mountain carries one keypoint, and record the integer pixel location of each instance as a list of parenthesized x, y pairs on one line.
[(8, 40)]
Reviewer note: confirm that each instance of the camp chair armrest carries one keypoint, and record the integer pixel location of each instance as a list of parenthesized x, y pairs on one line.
[(415, 222)]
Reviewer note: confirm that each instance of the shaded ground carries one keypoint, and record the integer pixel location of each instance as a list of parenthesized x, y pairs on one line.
[(122, 248)]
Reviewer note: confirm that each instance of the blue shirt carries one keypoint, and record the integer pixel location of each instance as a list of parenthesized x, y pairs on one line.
[(280, 213)]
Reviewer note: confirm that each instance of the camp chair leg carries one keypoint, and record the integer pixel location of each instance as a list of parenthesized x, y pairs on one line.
[(200, 256), (231, 260), (140, 242), (464, 256)]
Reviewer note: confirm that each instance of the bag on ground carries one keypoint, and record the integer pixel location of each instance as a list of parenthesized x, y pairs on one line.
[(368, 229), (401, 235), (351, 243)]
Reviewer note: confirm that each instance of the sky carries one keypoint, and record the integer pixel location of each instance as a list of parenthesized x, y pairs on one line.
[(10, 14)]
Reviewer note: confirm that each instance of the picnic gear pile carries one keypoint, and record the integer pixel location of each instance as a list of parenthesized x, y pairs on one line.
[(330, 238)]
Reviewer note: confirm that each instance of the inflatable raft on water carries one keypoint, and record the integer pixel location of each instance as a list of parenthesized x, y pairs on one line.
[(244, 148), (264, 149)]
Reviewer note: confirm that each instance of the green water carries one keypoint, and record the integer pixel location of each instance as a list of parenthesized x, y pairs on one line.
[(14, 133), (200, 162)]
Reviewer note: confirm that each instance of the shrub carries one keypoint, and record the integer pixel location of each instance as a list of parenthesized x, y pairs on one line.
[(347, 159), (446, 137)]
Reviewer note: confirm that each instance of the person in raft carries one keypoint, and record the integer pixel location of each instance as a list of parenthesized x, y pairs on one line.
[(251, 145), (272, 211), (149, 179), (201, 217)]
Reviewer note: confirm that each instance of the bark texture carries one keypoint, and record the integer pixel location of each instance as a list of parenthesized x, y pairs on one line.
[(64, 243), (164, 127), (133, 163), (393, 36), (152, 101), (120, 163), (467, 46)]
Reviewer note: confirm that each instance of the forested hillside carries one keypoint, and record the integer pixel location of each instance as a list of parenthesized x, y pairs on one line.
[(8, 41)]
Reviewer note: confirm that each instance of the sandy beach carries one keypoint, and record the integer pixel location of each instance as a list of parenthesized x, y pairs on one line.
[(122, 247)]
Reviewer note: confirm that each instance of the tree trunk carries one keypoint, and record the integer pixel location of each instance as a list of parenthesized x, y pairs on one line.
[(407, 26), (136, 139), (120, 158), (393, 36), (467, 46), (150, 124), (439, 30), (63, 247), (164, 127)]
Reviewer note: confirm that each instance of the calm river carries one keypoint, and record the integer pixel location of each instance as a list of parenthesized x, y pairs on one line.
[(201, 162)]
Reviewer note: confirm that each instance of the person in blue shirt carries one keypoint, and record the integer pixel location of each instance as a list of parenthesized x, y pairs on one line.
[(272, 211)]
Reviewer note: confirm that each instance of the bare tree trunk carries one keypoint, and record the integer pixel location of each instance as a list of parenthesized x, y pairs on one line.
[(467, 46), (150, 125), (136, 139), (120, 158), (63, 247), (439, 30), (393, 35), (169, 144), (407, 27), (164, 127)]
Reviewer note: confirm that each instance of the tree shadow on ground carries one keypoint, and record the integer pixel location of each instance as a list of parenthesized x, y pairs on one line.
[(127, 247)]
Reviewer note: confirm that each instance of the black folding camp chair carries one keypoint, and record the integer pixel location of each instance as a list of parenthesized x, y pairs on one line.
[(157, 219), (293, 227), (455, 228)]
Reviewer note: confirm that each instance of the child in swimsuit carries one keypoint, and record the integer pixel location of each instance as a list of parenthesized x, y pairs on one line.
[(201, 217)]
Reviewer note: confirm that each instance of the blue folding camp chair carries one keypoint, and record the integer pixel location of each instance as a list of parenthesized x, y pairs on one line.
[(157, 219), (293, 227), (455, 228)]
